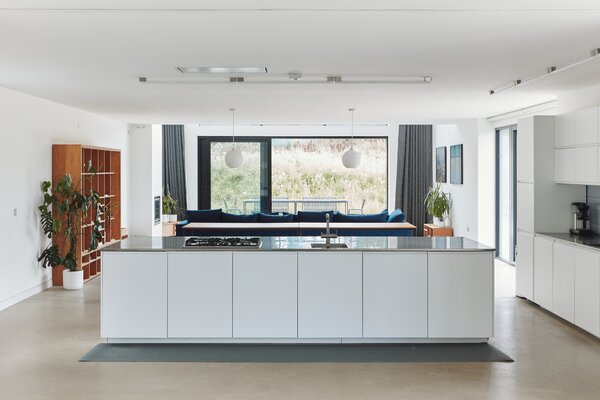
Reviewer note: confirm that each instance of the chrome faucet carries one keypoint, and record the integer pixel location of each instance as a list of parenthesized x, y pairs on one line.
[(327, 235)]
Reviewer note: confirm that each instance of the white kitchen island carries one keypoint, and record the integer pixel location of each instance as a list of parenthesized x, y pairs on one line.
[(379, 289)]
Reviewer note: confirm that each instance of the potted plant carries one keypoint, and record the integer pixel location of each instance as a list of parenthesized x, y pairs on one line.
[(63, 212), (438, 204), (170, 207)]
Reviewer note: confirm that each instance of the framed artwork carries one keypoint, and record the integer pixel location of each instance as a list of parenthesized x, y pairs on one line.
[(456, 164), (440, 164)]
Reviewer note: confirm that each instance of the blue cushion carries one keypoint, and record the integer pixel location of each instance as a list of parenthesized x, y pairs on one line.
[(262, 217), (227, 217), (381, 217), (204, 215), (314, 216), (396, 216)]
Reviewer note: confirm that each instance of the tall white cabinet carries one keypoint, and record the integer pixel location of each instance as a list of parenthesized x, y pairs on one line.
[(542, 204)]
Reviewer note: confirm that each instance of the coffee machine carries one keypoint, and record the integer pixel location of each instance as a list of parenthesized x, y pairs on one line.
[(581, 220)]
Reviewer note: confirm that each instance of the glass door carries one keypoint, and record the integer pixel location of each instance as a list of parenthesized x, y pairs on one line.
[(506, 198)]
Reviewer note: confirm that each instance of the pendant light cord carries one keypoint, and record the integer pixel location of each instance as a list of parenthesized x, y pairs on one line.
[(352, 129), (232, 126)]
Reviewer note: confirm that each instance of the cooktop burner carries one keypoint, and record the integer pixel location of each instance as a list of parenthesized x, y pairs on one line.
[(222, 242)]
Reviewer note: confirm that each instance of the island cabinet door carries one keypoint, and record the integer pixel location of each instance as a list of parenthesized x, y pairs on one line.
[(395, 295), (200, 294), (587, 290), (329, 294), (265, 295), (134, 295), (461, 295)]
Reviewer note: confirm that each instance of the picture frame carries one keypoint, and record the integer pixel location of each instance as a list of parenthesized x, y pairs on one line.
[(440, 165), (456, 164)]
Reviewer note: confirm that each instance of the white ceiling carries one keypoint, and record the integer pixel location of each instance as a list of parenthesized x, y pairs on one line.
[(89, 54)]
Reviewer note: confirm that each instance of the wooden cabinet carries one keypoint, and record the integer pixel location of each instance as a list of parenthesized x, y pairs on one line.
[(542, 271), (93, 169), (587, 290), (564, 165), (460, 295), (563, 278), (199, 287), (395, 295), (564, 134), (524, 265), (434, 230), (586, 126), (329, 294), (265, 295), (525, 207), (585, 165), (134, 307), (525, 150)]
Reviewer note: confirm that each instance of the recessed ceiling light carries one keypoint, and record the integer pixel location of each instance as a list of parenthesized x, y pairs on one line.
[(223, 70)]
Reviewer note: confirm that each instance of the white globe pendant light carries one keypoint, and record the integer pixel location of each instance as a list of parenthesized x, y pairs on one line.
[(234, 157), (351, 158)]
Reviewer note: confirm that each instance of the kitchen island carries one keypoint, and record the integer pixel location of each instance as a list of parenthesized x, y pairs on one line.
[(379, 289)]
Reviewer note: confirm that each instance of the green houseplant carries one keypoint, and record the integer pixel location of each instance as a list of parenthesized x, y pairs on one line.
[(170, 208), (62, 214), (438, 203)]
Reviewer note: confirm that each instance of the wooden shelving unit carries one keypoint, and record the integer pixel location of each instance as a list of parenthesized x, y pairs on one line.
[(77, 160)]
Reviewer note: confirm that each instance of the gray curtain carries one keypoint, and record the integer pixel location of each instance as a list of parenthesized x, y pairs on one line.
[(174, 164), (415, 172)]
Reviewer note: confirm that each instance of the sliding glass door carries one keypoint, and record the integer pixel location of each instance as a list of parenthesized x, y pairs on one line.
[(506, 200)]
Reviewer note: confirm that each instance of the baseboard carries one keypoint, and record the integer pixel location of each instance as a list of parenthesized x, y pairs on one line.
[(4, 304)]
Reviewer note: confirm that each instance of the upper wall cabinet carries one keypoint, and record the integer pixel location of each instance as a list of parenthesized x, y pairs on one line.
[(564, 134), (586, 126)]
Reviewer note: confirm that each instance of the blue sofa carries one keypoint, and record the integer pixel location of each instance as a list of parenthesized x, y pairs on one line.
[(292, 225)]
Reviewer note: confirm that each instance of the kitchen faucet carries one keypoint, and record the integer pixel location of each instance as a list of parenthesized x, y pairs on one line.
[(328, 235)]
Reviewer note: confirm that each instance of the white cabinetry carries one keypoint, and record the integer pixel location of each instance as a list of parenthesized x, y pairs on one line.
[(134, 307), (524, 269), (199, 294), (565, 128), (525, 207), (459, 308), (395, 295), (587, 290), (329, 294), (564, 165), (265, 294), (563, 277), (542, 271), (586, 126), (585, 166), (525, 150)]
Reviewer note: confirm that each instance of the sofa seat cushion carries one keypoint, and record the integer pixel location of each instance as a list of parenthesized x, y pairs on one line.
[(204, 215), (227, 217), (263, 217), (315, 216), (396, 216), (381, 217)]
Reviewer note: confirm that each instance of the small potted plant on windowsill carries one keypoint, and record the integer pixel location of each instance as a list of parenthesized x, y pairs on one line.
[(169, 207), (438, 205), (63, 212)]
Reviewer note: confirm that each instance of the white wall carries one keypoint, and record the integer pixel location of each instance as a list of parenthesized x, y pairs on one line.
[(578, 99), (486, 183), (145, 143), (464, 212), (29, 126), (193, 131)]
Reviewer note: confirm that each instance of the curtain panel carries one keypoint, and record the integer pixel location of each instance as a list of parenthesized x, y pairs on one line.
[(174, 164), (415, 172)]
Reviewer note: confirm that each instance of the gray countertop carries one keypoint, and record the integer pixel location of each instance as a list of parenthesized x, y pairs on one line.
[(302, 243), (590, 241)]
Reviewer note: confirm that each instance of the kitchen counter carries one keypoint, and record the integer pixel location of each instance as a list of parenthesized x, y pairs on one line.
[(300, 243), (590, 241)]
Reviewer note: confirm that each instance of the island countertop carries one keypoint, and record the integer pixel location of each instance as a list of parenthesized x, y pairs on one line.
[(303, 243)]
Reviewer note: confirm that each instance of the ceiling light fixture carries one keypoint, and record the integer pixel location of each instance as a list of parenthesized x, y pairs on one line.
[(291, 79), (223, 70), (549, 71), (351, 158), (234, 157)]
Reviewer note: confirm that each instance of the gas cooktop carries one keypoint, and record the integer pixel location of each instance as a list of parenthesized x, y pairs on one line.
[(214, 242)]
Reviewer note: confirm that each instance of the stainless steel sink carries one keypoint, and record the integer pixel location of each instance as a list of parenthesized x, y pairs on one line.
[(331, 246)]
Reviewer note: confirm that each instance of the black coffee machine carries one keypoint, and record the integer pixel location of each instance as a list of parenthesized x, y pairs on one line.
[(581, 220)]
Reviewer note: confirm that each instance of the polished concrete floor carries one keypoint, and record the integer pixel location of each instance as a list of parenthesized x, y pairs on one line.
[(42, 338)]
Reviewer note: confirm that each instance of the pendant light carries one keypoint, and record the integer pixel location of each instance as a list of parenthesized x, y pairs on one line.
[(234, 157), (351, 158)]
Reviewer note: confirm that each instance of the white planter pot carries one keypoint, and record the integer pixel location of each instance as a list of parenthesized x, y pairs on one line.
[(164, 218), (72, 280), (173, 218)]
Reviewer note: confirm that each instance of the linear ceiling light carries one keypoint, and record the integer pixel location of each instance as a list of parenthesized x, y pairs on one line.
[(223, 70), (285, 79), (549, 71)]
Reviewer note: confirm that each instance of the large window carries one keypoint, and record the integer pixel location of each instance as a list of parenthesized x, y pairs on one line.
[(292, 174)]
